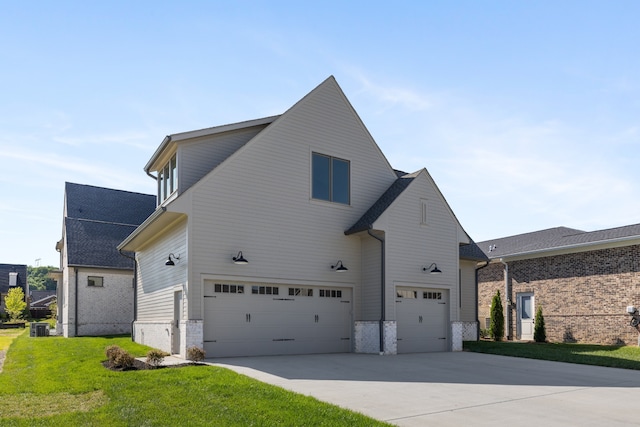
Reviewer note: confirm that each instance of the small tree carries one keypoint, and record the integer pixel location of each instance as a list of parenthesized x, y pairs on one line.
[(496, 327), (539, 331), (15, 304)]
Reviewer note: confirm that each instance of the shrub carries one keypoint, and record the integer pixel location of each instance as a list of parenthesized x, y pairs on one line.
[(496, 327), (15, 304), (156, 357), (112, 353), (195, 353), (539, 330), (124, 360)]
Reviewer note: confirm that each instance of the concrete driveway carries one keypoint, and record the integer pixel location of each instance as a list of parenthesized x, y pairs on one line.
[(455, 389)]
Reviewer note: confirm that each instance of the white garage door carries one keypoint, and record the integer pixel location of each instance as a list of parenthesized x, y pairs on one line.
[(268, 319), (422, 320)]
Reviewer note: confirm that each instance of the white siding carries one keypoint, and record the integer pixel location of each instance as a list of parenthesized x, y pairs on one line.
[(156, 281), (410, 245), (259, 200), (198, 157), (468, 291)]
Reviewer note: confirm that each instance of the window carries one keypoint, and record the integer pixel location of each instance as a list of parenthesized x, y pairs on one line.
[(330, 293), (432, 295), (330, 179), (95, 281), (229, 289), (168, 179), (264, 290), (304, 292), (403, 293)]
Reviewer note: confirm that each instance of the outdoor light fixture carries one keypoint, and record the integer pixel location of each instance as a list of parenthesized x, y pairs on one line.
[(435, 269), (239, 259), (170, 261), (339, 267)]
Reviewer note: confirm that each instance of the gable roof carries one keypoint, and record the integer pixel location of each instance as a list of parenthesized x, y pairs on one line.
[(558, 238), (388, 197), (97, 220)]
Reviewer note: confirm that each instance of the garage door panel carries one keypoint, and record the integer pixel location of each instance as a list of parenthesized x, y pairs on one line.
[(294, 321), (422, 317)]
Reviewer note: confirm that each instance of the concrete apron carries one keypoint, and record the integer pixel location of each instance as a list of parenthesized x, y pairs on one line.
[(453, 389)]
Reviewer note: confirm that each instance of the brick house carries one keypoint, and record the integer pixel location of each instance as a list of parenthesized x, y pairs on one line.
[(582, 280)]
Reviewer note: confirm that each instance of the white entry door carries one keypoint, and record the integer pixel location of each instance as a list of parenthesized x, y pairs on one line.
[(526, 313), (177, 320)]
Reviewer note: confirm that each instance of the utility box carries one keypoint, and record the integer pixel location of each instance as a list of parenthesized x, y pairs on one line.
[(39, 329)]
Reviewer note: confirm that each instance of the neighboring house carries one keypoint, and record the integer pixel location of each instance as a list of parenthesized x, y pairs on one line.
[(292, 234), (39, 302), (95, 287), (582, 280), (12, 276)]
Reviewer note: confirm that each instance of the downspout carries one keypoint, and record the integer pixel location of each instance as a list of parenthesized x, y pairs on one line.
[(507, 297), (382, 290), (135, 291), (478, 296), (75, 320)]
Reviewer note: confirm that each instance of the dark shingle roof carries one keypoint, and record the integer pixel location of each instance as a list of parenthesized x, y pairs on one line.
[(98, 219), (554, 238), (381, 205), (5, 269), (472, 252), (108, 205)]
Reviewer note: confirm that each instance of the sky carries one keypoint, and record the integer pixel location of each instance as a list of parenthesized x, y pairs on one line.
[(526, 114)]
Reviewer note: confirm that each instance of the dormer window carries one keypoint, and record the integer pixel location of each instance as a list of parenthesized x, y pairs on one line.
[(330, 179), (168, 179)]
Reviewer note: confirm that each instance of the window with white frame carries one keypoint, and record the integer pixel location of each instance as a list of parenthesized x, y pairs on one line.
[(168, 179), (331, 179)]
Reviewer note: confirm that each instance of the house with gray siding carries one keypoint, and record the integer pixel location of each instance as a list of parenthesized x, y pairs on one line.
[(293, 234), (583, 281), (95, 292)]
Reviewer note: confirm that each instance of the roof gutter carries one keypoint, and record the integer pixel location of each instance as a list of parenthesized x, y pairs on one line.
[(573, 246), (507, 296), (486, 263), (142, 226)]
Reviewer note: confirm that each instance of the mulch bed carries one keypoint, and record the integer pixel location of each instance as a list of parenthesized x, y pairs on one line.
[(139, 365)]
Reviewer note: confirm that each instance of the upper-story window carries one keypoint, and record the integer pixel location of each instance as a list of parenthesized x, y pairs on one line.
[(330, 179), (168, 179)]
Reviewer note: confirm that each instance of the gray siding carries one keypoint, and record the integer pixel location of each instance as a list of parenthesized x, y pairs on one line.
[(468, 291), (411, 245), (267, 211), (371, 278), (156, 281), (198, 157)]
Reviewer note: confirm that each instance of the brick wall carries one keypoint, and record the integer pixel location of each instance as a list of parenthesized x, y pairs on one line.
[(583, 295)]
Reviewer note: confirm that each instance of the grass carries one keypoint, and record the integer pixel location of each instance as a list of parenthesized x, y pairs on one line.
[(7, 336), (57, 381), (584, 354)]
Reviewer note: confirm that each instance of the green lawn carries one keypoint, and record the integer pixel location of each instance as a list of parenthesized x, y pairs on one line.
[(585, 354), (55, 381), (7, 336)]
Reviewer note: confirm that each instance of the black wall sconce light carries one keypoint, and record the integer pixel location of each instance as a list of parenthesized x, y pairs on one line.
[(339, 267), (171, 258), (239, 259), (435, 269)]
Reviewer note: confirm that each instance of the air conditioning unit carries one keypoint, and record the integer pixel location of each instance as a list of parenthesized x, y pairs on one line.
[(39, 329)]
